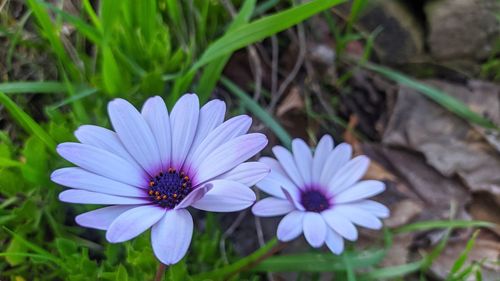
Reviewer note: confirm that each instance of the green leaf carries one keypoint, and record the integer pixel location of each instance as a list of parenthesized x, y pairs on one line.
[(14, 247), (262, 28), (36, 168), (6, 163), (178, 271), (258, 111), (463, 257), (65, 246), (26, 121), (21, 87), (121, 273), (427, 225), (452, 104), (112, 76)]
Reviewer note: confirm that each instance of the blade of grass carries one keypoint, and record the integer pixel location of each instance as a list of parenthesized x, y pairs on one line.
[(262, 28), (427, 225), (79, 94), (221, 273), (462, 258), (213, 70), (258, 111), (35, 248), (21, 87), (51, 33), (27, 122), (452, 104), (393, 271), (311, 262)]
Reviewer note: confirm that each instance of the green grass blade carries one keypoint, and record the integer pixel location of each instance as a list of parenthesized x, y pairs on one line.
[(222, 273), (213, 70), (259, 112), (26, 121), (427, 225), (262, 28), (452, 104), (6, 163), (393, 271), (21, 87), (51, 33), (311, 262), (83, 27), (79, 94), (463, 257), (35, 248)]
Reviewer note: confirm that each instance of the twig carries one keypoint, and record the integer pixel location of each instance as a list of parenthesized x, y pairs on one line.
[(230, 230), (253, 56), (298, 64)]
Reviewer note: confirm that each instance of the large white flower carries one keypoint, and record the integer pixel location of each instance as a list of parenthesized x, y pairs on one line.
[(322, 196), (155, 165)]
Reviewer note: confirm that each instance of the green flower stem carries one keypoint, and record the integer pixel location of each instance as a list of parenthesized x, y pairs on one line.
[(224, 273)]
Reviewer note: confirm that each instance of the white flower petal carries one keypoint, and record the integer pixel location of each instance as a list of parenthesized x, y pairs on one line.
[(248, 173), (335, 161), (324, 148), (88, 197), (211, 116), (271, 206), (155, 112), (80, 179), (133, 222), (135, 134), (172, 235), (288, 164), (227, 131), (314, 229), (290, 227), (372, 207), (184, 122), (361, 190), (103, 217), (103, 138), (276, 179), (226, 196), (103, 163), (334, 241), (303, 160), (359, 216), (294, 199), (194, 196), (340, 224), (228, 156), (348, 175)]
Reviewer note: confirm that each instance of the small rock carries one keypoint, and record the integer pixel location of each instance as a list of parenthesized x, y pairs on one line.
[(462, 29)]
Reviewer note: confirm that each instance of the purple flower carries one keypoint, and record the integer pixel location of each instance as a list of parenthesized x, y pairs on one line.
[(321, 195), (155, 165)]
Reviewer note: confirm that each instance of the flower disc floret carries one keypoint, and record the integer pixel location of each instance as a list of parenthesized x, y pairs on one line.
[(170, 188)]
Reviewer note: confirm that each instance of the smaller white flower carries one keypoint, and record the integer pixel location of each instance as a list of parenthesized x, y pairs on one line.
[(321, 195)]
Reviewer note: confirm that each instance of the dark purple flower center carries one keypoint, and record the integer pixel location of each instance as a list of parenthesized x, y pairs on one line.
[(314, 200), (170, 188)]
